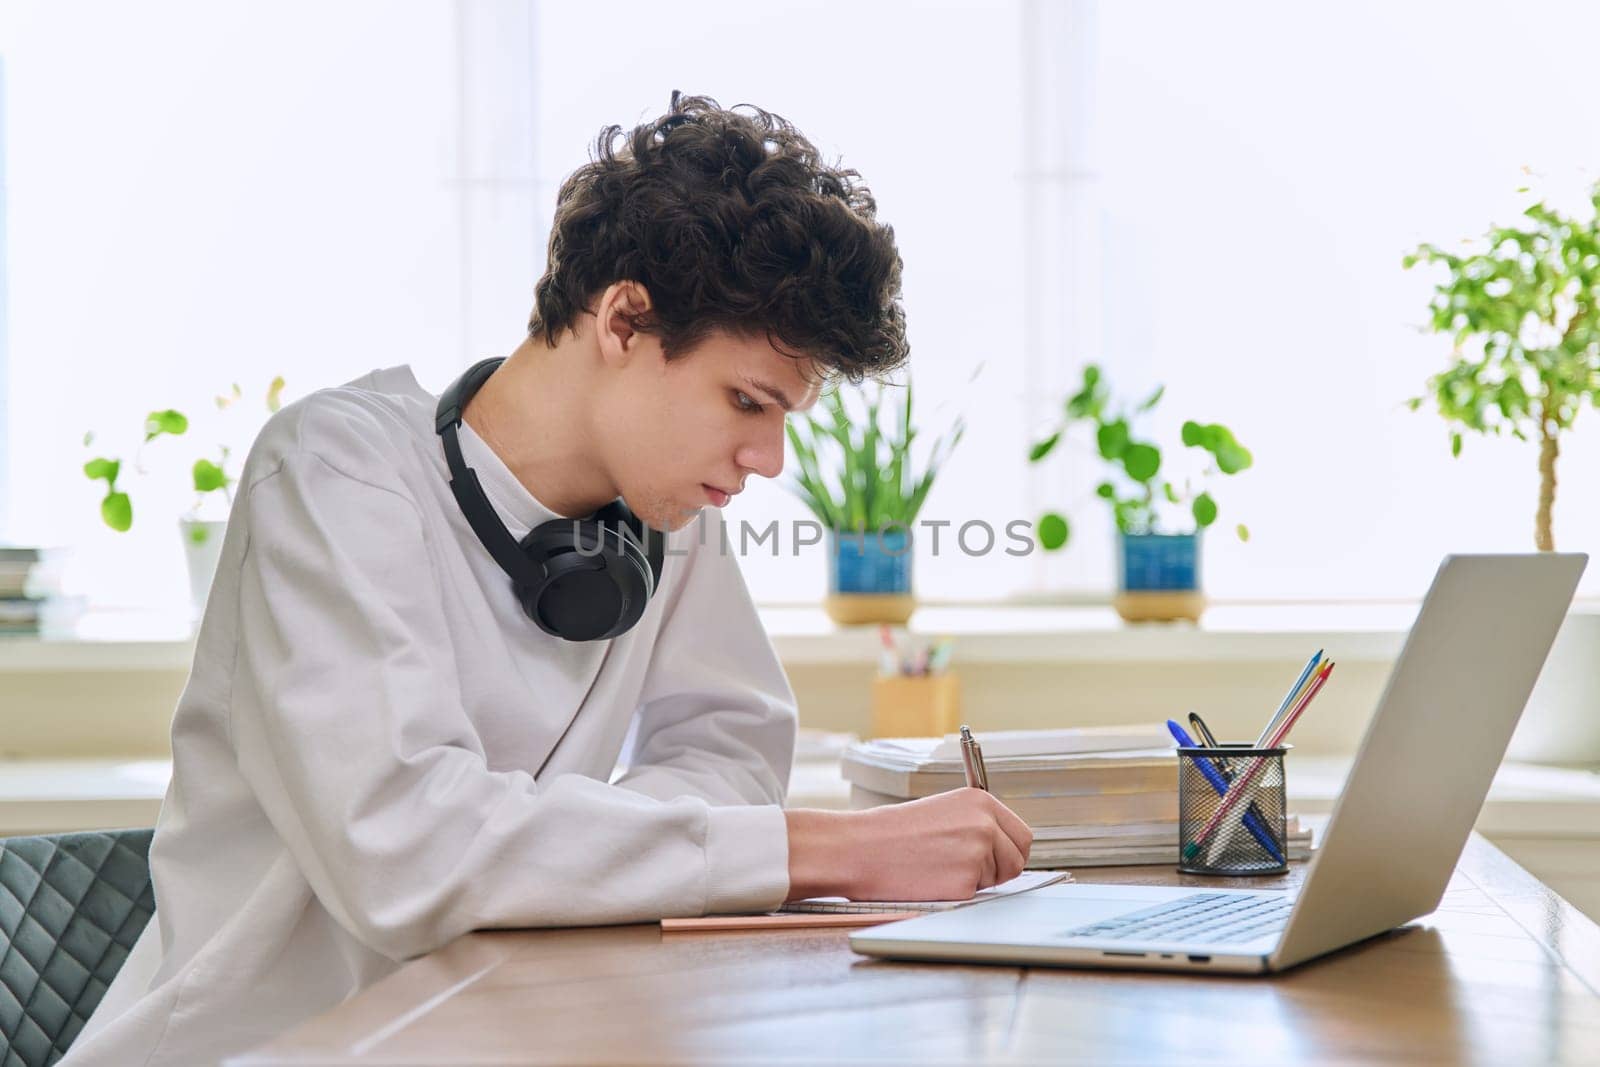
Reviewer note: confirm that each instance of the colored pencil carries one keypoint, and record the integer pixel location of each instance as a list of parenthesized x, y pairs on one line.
[(1241, 784)]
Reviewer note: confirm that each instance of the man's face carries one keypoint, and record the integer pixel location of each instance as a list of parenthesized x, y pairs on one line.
[(682, 435)]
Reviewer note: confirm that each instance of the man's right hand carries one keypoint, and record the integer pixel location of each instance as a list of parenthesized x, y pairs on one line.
[(943, 847)]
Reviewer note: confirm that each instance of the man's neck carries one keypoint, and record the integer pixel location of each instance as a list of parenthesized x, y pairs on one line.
[(533, 413)]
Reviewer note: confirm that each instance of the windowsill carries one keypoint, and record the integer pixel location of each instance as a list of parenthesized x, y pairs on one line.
[(1001, 634), (995, 634), (1526, 800)]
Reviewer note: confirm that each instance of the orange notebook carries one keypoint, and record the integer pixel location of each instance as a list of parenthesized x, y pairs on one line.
[(782, 920)]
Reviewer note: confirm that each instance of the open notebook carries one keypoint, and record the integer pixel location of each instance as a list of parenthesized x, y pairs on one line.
[(841, 906)]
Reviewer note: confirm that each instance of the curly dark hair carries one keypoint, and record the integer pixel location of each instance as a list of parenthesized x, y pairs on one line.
[(731, 221)]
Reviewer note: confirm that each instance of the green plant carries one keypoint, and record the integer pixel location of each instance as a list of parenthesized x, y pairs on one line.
[(1133, 490), (1524, 314), (116, 508), (855, 475)]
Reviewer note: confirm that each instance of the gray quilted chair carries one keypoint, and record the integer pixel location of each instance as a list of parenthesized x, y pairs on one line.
[(71, 906)]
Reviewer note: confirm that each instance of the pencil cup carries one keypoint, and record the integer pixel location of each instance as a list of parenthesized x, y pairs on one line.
[(1250, 837), (927, 705)]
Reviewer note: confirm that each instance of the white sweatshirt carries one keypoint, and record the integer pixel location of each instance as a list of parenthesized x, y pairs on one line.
[(377, 751)]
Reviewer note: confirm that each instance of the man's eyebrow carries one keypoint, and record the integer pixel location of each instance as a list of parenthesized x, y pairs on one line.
[(772, 391)]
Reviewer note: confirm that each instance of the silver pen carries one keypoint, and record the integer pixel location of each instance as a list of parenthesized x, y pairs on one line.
[(972, 761)]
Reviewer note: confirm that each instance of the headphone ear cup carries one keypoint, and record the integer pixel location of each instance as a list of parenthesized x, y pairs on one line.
[(555, 602), (595, 578), (579, 600), (641, 544), (632, 574)]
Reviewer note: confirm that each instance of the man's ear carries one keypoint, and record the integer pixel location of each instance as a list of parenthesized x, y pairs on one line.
[(619, 341)]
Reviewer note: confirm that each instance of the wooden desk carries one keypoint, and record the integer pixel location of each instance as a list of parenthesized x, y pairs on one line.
[(1504, 972)]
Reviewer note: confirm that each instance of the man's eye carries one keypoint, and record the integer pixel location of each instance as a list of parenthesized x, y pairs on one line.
[(745, 403)]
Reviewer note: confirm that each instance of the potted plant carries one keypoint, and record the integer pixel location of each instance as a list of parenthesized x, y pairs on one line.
[(1524, 315), (855, 471), (1522, 308), (201, 530), (1158, 520)]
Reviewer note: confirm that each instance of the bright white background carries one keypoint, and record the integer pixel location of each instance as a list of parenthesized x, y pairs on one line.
[(1212, 196)]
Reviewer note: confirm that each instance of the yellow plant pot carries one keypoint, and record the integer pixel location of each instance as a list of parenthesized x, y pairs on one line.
[(857, 609), (1160, 605)]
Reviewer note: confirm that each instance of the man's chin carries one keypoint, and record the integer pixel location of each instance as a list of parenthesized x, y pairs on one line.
[(679, 522), (668, 518)]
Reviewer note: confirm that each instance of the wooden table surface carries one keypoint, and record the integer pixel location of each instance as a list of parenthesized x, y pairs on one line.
[(1504, 972)]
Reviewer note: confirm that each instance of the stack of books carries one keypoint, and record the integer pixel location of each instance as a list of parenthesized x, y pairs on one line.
[(1093, 796), (27, 580)]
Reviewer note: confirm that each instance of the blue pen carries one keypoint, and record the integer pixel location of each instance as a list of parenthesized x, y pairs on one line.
[(1252, 821)]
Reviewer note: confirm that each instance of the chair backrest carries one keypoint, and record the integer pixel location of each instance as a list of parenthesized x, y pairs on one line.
[(71, 906)]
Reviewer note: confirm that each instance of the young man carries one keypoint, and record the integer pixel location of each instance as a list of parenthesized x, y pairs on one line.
[(416, 672)]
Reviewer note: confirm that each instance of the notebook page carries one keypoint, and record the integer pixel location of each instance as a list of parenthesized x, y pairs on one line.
[(839, 905)]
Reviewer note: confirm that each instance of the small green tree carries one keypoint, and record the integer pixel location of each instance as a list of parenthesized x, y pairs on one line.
[(1133, 490), (1524, 314)]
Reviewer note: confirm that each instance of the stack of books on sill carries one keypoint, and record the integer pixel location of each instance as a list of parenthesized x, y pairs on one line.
[(1093, 796), (29, 600)]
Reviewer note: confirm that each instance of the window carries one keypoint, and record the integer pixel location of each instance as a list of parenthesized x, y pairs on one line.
[(933, 121), (1215, 198), (202, 194), (1259, 172)]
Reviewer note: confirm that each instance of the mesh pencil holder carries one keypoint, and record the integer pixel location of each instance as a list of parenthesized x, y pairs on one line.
[(1251, 837)]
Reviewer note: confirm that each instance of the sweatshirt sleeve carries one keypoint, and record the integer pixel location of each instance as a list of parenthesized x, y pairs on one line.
[(348, 726), (717, 716)]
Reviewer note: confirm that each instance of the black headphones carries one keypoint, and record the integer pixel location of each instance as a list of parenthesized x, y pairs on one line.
[(579, 579)]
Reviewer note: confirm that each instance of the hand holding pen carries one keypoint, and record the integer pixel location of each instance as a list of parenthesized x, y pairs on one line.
[(967, 840)]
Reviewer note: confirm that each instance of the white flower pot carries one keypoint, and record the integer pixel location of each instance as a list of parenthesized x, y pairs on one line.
[(202, 547), (1561, 723)]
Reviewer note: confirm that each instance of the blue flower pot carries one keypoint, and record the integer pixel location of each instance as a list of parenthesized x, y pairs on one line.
[(869, 576), (869, 562), (1160, 577), (1160, 562)]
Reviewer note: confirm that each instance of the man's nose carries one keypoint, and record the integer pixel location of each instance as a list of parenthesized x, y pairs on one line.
[(764, 457)]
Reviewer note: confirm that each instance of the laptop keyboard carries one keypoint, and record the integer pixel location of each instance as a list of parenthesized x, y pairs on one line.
[(1208, 917)]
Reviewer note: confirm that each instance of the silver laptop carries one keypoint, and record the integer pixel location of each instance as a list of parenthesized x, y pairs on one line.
[(1419, 778)]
